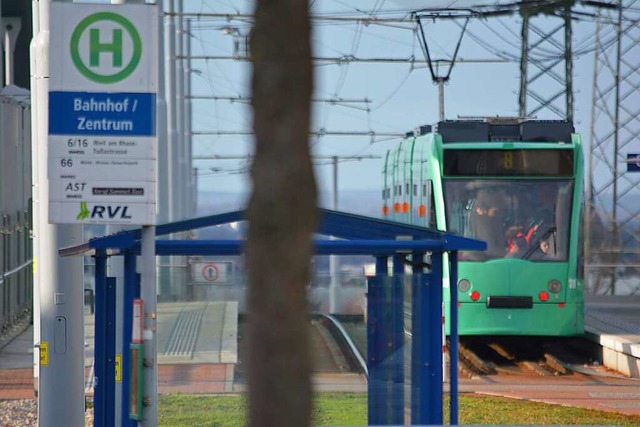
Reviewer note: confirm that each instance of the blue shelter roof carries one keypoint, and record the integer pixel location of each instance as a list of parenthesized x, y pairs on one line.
[(363, 235)]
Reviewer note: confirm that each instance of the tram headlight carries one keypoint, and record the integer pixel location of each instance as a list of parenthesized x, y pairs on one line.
[(554, 286), (464, 285)]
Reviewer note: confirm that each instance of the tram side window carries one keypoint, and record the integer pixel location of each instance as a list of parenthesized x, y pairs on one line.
[(429, 201), (432, 207)]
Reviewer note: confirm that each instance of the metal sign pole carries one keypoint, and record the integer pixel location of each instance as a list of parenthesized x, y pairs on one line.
[(60, 293), (148, 294)]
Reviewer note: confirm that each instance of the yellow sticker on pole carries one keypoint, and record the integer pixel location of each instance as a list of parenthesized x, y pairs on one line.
[(118, 368), (44, 353)]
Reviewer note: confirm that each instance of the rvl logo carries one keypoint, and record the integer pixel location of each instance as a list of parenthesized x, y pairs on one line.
[(103, 212), (111, 212)]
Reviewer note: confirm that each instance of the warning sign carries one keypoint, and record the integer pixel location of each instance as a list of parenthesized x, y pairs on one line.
[(213, 273), (210, 272), (118, 368), (44, 353)]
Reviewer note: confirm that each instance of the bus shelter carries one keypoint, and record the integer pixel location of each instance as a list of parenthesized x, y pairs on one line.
[(399, 246)]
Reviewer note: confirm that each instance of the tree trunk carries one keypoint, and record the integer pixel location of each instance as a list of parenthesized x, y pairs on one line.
[(282, 217)]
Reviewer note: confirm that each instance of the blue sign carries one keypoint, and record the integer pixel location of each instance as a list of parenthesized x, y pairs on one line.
[(108, 114), (633, 162)]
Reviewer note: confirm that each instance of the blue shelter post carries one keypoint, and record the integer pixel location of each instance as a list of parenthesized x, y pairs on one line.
[(396, 377), (131, 291), (432, 300), (428, 337), (417, 286), (376, 398), (453, 339), (100, 330), (109, 380)]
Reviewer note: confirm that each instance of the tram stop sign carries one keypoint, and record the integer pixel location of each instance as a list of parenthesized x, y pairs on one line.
[(633, 162)]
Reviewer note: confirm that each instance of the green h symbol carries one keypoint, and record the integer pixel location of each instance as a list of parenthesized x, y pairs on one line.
[(96, 48)]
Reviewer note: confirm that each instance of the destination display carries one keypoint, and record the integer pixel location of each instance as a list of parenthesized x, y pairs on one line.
[(98, 147), (545, 162)]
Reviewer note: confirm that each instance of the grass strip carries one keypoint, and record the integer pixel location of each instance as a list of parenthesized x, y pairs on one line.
[(350, 409)]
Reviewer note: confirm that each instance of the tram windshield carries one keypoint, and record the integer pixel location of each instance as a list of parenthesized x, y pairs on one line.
[(526, 219)]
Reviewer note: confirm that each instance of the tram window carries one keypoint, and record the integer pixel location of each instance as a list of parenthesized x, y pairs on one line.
[(415, 190), (407, 188), (424, 190), (497, 211)]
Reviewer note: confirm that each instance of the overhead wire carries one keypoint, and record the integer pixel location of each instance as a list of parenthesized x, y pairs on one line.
[(582, 45)]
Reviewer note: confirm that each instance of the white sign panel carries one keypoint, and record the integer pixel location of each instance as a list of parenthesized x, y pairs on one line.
[(102, 148), (214, 273)]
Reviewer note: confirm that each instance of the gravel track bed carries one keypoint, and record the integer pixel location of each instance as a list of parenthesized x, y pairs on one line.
[(24, 413)]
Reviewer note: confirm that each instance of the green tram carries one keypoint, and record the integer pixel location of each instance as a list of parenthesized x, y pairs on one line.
[(516, 184)]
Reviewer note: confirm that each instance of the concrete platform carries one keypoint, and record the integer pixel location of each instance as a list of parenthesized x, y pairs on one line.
[(198, 332), (614, 323)]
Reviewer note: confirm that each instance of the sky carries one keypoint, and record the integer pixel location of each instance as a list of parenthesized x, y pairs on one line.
[(387, 98)]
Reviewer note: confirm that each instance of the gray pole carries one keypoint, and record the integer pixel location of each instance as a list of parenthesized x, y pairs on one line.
[(181, 191), (191, 211), (61, 296), (170, 92), (116, 269), (179, 98), (149, 297), (440, 81), (1, 69), (333, 260), (524, 64), (616, 143), (568, 63), (11, 28), (167, 290), (148, 268), (163, 137), (35, 195), (588, 240), (8, 56)]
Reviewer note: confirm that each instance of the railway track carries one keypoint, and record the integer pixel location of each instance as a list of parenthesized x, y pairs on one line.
[(538, 356), (333, 349)]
